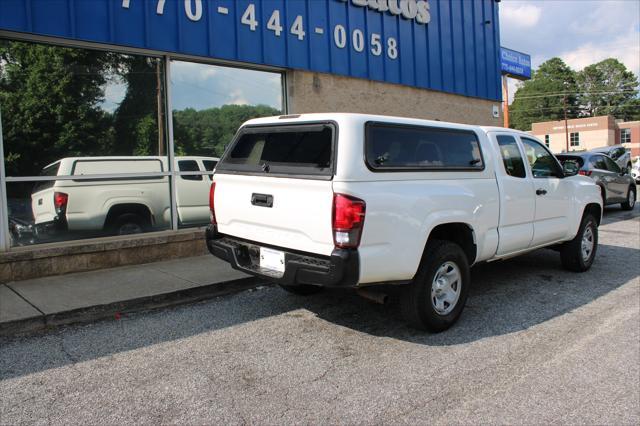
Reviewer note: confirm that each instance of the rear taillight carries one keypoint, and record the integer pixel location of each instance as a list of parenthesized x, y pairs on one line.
[(348, 220), (585, 172), (60, 200), (212, 193)]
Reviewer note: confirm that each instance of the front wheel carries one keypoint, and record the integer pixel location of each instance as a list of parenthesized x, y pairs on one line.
[(436, 297), (578, 254), (631, 200)]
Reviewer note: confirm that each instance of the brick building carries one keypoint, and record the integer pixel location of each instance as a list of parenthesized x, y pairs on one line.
[(583, 134)]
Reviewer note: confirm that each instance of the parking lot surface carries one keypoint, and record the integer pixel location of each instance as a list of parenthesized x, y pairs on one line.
[(535, 344)]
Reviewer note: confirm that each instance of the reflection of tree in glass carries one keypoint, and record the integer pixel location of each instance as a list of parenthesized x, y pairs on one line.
[(52, 101), (206, 132), (50, 104)]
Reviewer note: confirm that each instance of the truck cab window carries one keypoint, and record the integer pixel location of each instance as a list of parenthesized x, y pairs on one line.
[(511, 157), (189, 166), (542, 162)]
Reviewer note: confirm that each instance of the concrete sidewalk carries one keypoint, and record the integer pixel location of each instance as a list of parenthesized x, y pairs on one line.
[(39, 303)]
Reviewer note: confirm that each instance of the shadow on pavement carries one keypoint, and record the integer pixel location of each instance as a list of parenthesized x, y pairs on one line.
[(614, 213), (506, 297)]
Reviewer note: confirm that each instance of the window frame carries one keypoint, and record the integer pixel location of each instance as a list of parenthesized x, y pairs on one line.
[(626, 132), (571, 142), (172, 173), (522, 156), (559, 168), (395, 169), (282, 172)]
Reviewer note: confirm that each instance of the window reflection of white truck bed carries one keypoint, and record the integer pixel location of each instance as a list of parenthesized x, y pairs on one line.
[(123, 205)]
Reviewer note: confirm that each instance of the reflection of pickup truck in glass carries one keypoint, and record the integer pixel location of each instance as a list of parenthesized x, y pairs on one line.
[(124, 205)]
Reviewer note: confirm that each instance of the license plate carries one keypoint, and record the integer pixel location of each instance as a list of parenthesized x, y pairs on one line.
[(271, 259)]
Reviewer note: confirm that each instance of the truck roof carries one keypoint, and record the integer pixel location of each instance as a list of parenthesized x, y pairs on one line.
[(363, 118), (129, 157)]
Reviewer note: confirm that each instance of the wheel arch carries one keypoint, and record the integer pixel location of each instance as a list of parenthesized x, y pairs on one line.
[(595, 210), (459, 233), (119, 209)]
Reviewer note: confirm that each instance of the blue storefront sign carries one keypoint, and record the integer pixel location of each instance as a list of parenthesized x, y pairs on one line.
[(445, 45), (515, 64)]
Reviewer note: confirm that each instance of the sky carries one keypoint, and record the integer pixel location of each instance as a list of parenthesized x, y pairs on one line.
[(581, 32), (203, 86)]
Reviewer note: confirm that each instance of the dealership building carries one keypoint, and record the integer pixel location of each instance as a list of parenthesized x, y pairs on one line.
[(133, 91), (583, 134)]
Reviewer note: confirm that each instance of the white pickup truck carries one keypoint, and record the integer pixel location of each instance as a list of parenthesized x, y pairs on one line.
[(123, 205), (349, 200)]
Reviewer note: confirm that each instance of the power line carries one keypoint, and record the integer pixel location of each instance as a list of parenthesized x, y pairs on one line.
[(517, 111), (549, 95)]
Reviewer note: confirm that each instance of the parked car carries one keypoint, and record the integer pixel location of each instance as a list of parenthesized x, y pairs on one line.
[(617, 153), (635, 170), (349, 200), (616, 186), (122, 205)]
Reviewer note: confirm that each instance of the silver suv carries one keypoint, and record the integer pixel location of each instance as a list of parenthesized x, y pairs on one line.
[(617, 153)]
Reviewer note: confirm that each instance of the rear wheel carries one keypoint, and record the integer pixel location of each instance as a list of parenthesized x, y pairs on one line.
[(128, 224), (631, 199), (436, 297), (578, 254), (302, 289)]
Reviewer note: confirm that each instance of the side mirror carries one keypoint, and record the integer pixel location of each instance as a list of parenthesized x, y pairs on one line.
[(624, 171), (570, 168)]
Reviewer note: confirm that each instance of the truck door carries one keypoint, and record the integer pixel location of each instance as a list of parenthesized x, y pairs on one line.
[(192, 194), (517, 199), (552, 194)]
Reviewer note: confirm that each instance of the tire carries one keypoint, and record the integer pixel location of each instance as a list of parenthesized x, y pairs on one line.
[(128, 224), (573, 255), (302, 289), (422, 307), (631, 199)]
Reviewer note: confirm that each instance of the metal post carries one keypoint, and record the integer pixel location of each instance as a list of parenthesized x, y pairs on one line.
[(5, 243), (170, 149), (505, 95), (161, 145), (566, 127)]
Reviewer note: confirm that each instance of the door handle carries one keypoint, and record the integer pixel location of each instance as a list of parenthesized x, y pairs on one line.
[(262, 200), (541, 191)]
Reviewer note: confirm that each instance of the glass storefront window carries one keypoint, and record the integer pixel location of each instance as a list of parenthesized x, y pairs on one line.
[(62, 210), (61, 102), (209, 103), (85, 138)]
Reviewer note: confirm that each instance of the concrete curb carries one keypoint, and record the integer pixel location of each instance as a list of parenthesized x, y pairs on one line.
[(49, 322)]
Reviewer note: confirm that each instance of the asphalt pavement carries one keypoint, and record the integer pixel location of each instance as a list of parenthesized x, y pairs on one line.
[(536, 345)]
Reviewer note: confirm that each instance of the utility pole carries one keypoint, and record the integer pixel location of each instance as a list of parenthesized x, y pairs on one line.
[(566, 127)]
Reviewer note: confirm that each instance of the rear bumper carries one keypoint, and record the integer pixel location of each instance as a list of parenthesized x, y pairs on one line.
[(341, 269)]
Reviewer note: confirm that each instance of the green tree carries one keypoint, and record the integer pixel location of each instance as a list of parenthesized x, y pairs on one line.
[(50, 98), (608, 88), (543, 97), (136, 118), (207, 132)]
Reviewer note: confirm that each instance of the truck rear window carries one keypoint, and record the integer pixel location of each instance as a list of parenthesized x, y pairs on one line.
[(292, 150), (392, 147)]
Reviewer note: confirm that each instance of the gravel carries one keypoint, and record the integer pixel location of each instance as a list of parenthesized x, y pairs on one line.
[(536, 344)]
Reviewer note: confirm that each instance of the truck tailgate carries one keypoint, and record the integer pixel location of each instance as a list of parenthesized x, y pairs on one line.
[(289, 213)]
